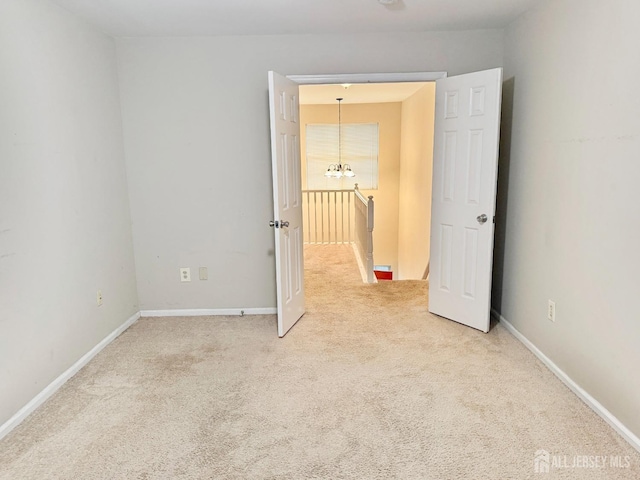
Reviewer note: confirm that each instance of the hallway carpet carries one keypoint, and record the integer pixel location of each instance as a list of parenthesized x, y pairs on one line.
[(367, 385)]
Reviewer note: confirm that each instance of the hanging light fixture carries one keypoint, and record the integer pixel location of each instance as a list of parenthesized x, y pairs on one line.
[(338, 170)]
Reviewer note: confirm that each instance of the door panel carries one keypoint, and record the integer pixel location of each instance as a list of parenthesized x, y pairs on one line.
[(465, 165), (285, 161)]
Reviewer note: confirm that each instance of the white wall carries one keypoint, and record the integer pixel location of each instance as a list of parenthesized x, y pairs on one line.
[(64, 219), (414, 199), (196, 127), (568, 209)]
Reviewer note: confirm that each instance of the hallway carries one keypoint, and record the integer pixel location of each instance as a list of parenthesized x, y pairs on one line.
[(334, 287)]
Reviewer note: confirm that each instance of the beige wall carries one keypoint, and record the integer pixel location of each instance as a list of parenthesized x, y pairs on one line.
[(414, 203), (567, 218), (388, 116)]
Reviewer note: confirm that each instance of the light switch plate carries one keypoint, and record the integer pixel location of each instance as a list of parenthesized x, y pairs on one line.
[(204, 274)]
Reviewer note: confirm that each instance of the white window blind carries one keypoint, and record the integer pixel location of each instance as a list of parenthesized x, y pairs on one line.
[(359, 150)]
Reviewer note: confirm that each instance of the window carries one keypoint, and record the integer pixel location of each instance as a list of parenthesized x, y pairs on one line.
[(359, 150)]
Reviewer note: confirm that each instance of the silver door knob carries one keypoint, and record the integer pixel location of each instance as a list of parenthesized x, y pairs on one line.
[(274, 224), (481, 219), (284, 223)]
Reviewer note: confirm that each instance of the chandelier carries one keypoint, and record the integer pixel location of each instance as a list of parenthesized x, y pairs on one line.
[(338, 170)]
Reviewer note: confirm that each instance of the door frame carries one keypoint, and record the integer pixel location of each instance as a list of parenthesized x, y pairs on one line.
[(354, 78), (340, 78)]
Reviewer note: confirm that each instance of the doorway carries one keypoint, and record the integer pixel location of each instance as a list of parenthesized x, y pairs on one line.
[(404, 115), (466, 131)]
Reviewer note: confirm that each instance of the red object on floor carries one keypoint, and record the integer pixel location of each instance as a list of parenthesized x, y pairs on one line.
[(383, 275)]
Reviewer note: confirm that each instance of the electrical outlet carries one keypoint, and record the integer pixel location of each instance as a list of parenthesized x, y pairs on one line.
[(551, 311), (185, 274), (204, 274), (99, 297)]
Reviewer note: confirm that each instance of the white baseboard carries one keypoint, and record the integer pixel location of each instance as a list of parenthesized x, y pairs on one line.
[(596, 406), (50, 389), (201, 312)]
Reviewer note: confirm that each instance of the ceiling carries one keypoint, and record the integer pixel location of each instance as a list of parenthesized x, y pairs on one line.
[(122, 18), (358, 93)]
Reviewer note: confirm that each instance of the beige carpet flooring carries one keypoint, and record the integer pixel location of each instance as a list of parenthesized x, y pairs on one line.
[(367, 385)]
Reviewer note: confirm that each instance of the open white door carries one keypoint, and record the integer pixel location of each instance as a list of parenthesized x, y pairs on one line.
[(465, 166), (287, 200)]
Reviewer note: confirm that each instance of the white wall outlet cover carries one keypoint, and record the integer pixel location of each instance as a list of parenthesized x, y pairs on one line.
[(185, 274), (99, 297)]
